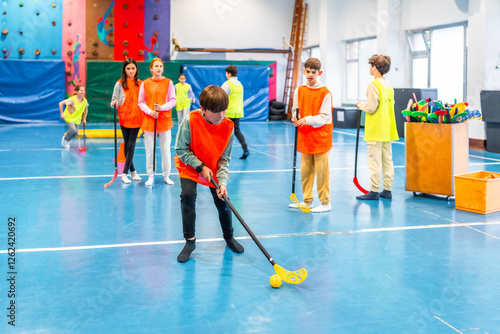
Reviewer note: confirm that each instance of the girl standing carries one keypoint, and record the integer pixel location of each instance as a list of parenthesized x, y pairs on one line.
[(156, 100), (74, 113), (185, 97), (125, 97)]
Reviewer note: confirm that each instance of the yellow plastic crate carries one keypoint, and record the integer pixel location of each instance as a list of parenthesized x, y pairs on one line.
[(478, 192)]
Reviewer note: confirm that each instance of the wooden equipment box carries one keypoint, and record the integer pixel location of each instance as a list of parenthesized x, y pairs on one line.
[(433, 154), (478, 192)]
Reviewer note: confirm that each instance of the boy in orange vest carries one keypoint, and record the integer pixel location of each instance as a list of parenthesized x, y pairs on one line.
[(203, 146), (315, 130)]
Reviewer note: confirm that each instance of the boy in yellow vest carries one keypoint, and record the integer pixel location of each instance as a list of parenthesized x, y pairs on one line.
[(203, 146), (380, 128), (75, 112), (185, 97), (315, 130), (234, 90)]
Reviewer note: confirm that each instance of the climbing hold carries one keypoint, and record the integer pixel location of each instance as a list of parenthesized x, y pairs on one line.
[(125, 6), (68, 72), (155, 34), (70, 41), (69, 63), (125, 43), (140, 35), (53, 23), (95, 53), (125, 24), (4, 51), (37, 52), (5, 32), (21, 32), (96, 43), (54, 5), (53, 51), (125, 52), (155, 53), (155, 17), (140, 53), (21, 4), (21, 51), (69, 23), (69, 53)]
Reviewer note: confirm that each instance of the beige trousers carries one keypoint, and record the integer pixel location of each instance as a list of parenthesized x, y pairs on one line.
[(380, 156), (315, 165)]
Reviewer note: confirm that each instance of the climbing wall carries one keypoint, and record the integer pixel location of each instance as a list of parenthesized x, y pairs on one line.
[(157, 29), (129, 33), (99, 29), (37, 35), (74, 43)]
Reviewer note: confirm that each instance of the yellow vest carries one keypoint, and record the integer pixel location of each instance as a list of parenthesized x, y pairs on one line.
[(381, 125), (235, 108), (76, 116), (181, 93)]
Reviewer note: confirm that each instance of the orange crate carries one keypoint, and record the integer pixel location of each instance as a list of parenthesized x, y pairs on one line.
[(478, 192)]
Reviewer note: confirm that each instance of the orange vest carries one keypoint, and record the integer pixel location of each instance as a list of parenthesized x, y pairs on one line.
[(313, 140), (208, 142), (129, 113), (156, 92)]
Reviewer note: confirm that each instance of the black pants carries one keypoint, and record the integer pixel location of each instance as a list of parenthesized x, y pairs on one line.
[(188, 210), (129, 138), (238, 134)]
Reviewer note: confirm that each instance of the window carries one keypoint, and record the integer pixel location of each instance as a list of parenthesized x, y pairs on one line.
[(357, 68), (439, 60)]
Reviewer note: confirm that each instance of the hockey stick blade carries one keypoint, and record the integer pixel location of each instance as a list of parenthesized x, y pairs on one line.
[(291, 277), (112, 180), (299, 205), (356, 183)]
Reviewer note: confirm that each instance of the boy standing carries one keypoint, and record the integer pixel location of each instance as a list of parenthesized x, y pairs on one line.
[(380, 128), (234, 89), (203, 146), (315, 129)]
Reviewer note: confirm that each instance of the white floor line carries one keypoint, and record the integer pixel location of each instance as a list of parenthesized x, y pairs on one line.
[(447, 324), (302, 234)]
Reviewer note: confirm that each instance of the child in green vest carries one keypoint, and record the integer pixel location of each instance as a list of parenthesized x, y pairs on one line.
[(234, 90), (185, 97), (75, 112), (380, 128)]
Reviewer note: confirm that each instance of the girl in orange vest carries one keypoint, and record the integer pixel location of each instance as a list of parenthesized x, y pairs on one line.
[(156, 100), (125, 97), (203, 146)]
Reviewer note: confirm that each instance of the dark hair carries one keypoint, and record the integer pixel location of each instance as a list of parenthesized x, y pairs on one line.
[(382, 63), (77, 88), (313, 63), (182, 75), (231, 69), (124, 74), (214, 99)]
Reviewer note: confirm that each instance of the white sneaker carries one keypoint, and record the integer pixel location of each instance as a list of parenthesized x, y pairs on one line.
[(322, 208), (296, 206), (63, 142), (135, 176), (125, 179), (168, 181), (150, 181)]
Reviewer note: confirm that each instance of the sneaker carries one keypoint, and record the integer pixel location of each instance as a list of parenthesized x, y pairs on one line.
[(135, 176), (168, 181), (322, 208), (245, 155), (125, 179), (296, 206), (150, 181), (372, 195), (63, 142)]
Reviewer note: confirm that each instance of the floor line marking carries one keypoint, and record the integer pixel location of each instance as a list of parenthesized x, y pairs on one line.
[(490, 235), (447, 324), (287, 235)]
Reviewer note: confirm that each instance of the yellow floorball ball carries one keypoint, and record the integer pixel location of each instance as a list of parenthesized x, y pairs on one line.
[(275, 281)]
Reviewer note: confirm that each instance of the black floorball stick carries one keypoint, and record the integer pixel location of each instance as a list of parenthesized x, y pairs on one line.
[(292, 277), (355, 179), (116, 158), (293, 197)]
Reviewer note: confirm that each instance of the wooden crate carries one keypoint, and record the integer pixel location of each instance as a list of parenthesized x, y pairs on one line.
[(434, 153), (478, 192)]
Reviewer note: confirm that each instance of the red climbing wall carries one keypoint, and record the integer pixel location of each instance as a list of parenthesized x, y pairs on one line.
[(129, 29)]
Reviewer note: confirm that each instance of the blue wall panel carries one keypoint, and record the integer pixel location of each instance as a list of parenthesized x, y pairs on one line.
[(255, 81), (30, 90), (35, 20)]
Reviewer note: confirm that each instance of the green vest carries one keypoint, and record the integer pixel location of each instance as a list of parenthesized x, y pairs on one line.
[(235, 108), (381, 125), (181, 94), (76, 116)]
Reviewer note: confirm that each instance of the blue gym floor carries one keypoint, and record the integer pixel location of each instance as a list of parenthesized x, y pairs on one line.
[(95, 260)]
